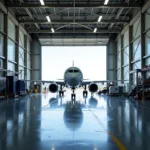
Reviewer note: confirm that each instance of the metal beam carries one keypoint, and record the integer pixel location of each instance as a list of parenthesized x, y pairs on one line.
[(57, 36), (116, 17), (2, 8), (30, 15), (71, 6), (72, 22), (77, 31), (71, 14)]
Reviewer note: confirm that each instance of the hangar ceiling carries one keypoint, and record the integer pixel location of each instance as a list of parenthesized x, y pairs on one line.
[(74, 22)]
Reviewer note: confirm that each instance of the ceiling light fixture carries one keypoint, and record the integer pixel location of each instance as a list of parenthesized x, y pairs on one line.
[(52, 29), (100, 18), (47, 42), (48, 18), (100, 42), (42, 2), (106, 2), (95, 29)]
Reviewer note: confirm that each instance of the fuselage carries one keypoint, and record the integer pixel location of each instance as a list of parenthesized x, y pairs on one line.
[(73, 77)]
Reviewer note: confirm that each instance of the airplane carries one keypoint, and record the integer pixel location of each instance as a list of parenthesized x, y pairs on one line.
[(73, 79)]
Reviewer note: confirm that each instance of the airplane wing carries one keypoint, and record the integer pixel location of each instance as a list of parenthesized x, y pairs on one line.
[(103, 81), (46, 81)]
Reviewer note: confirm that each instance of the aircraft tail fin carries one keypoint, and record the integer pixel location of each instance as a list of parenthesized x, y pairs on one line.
[(73, 63)]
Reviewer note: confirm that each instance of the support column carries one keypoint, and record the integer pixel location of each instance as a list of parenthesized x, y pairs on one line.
[(25, 57), (142, 52), (17, 50), (130, 49), (142, 40), (6, 41), (122, 72), (111, 60), (36, 60)]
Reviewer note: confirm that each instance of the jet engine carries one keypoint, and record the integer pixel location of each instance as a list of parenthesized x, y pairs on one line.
[(93, 87), (53, 87)]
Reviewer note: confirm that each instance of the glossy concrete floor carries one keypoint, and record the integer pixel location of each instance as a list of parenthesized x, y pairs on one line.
[(47, 122)]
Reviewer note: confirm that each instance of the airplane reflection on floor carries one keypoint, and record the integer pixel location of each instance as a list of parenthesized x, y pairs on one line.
[(47, 122)]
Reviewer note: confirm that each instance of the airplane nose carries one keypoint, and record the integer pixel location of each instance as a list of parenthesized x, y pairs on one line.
[(73, 81)]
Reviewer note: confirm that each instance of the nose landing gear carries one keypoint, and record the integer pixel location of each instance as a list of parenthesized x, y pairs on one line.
[(73, 95), (85, 93)]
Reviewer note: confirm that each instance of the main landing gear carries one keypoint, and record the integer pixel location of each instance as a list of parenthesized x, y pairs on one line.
[(73, 95), (61, 92), (85, 92)]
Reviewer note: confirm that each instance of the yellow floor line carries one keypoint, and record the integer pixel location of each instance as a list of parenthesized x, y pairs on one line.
[(114, 138)]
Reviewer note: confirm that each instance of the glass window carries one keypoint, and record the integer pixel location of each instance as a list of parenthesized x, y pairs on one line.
[(11, 66), (28, 74), (21, 56), (11, 30), (1, 22), (137, 65), (119, 74), (1, 45), (1, 63), (136, 29), (21, 39), (147, 19), (11, 50), (28, 60), (28, 78), (21, 72), (119, 60), (147, 43), (126, 39), (126, 56), (126, 73), (137, 49), (28, 45)]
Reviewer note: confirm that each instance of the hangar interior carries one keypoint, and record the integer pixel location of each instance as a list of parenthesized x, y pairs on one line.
[(121, 25)]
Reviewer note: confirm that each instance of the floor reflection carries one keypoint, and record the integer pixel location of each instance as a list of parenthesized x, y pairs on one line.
[(38, 122), (73, 116)]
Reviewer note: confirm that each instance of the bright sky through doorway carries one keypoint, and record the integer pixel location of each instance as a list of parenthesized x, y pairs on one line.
[(91, 61)]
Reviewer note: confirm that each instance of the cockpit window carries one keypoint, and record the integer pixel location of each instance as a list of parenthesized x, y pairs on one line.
[(76, 70), (71, 71)]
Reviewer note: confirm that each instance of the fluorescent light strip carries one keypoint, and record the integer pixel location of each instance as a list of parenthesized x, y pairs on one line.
[(100, 18), (95, 29), (52, 29), (48, 18), (106, 2), (42, 2)]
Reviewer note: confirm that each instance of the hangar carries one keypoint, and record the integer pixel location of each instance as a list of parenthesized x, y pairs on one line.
[(34, 121)]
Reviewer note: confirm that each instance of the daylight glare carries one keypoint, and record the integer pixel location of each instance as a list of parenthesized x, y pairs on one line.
[(91, 61)]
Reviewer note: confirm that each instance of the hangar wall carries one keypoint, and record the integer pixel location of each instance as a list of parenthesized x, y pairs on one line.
[(133, 46), (15, 49), (36, 59), (110, 60)]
